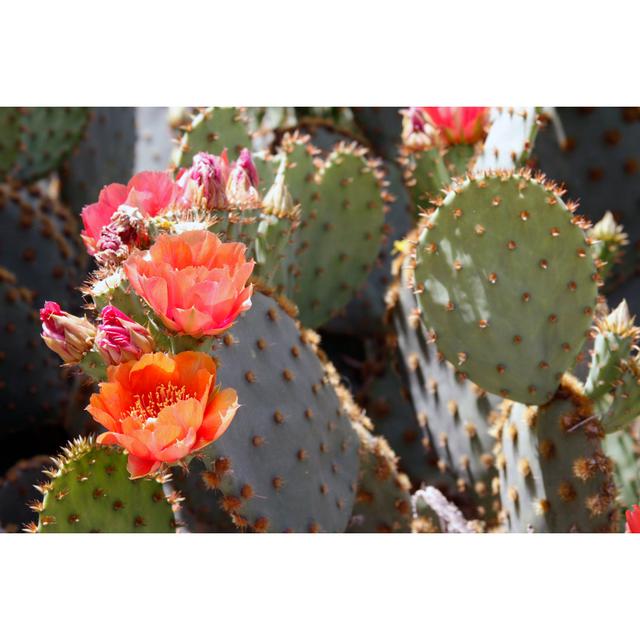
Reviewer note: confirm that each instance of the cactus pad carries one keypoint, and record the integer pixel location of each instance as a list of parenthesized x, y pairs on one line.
[(104, 155), (341, 226), (90, 491), (289, 461), (47, 136), (554, 476), (453, 413), (506, 279)]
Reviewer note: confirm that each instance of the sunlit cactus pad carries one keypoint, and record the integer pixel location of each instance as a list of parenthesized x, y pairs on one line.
[(506, 280), (89, 477)]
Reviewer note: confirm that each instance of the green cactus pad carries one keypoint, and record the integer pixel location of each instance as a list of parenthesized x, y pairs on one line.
[(383, 501), (341, 226), (364, 315), (213, 130), (104, 155), (454, 414), (47, 136), (507, 281), (425, 174), (289, 461), (9, 138), (554, 476), (90, 491), (510, 139)]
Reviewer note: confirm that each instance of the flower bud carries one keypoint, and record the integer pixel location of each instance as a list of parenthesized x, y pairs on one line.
[(278, 200), (242, 185), (69, 336), (204, 184), (120, 339)]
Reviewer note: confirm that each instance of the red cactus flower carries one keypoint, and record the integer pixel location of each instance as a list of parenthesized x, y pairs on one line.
[(67, 335), (459, 125), (162, 408), (633, 519), (194, 282)]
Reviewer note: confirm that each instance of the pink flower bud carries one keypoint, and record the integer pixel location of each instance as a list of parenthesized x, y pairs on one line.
[(459, 125), (69, 336), (242, 186), (203, 185), (120, 339)]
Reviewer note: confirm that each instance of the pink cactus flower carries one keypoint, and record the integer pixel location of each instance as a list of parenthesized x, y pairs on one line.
[(67, 335), (120, 338), (633, 519), (151, 192), (459, 125)]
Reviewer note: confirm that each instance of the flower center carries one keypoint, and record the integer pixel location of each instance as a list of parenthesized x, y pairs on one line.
[(147, 406)]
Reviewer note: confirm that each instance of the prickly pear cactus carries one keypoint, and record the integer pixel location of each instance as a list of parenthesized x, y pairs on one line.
[(341, 226), (290, 462), (453, 413), (17, 491), (103, 155), (383, 501), (554, 475), (213, 130), (47, 136), (506, 280), (90, 491)]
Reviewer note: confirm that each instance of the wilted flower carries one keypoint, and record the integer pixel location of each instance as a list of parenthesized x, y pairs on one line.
[(162, 408), (150, 192), (417, 132), (69, 336), (120, 339), (458, 125), (633, 519), (194, 282), (203, 185)]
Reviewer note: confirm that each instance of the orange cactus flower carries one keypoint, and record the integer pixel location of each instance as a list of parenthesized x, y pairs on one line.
[(193, 281), (162, 408)]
